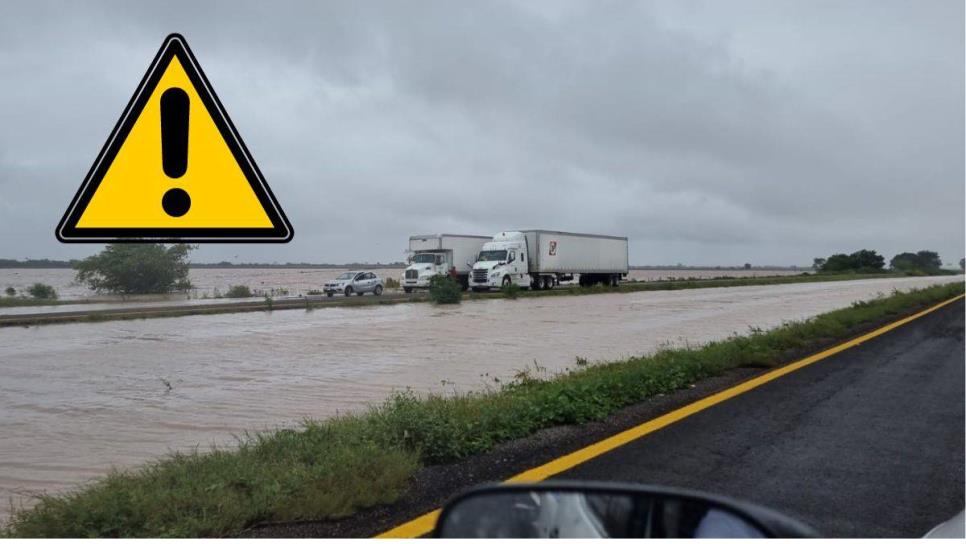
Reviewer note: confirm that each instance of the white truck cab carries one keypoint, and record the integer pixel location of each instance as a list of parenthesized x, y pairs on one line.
[(502, 261), (422, 267), (439, 254)]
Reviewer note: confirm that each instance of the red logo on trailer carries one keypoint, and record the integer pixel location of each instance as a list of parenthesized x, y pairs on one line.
[(553, 247)]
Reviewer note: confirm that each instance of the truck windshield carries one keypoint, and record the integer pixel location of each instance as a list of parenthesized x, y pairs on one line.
[(493, 255), (424, 258)]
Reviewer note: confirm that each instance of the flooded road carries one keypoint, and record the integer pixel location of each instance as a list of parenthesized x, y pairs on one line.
[(77, 399)]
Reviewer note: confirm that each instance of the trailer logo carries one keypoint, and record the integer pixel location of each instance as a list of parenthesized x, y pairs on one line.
[(553, 247)]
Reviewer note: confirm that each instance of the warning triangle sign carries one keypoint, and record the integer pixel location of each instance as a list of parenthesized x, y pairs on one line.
[(174, 169)]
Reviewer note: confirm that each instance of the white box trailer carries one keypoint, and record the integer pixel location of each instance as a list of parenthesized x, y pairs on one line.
[(543, 258), (435, 254)]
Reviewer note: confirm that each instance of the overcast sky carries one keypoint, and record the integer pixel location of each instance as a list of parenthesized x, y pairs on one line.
[(708, 132)]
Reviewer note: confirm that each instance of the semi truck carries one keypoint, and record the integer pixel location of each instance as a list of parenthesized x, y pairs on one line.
[(541, 259), (436, 254)]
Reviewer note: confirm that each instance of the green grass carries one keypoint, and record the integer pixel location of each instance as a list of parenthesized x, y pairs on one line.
[(330, 469), (10, 302)]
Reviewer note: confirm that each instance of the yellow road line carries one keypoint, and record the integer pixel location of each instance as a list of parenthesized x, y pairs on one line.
[(425, 523)]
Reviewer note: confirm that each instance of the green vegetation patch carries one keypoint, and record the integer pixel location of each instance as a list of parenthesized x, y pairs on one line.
[(510, 290), (330, 469), (238, 291), (42, 291), (445, 290)]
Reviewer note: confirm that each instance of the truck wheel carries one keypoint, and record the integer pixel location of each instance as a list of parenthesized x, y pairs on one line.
[(348, 291), (464, 282), (536, 283), (407, 289), (378, 291), (506, 281), (329, 294), (547, 282)]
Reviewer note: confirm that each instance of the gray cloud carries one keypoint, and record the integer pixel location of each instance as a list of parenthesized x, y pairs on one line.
[(707, 132)]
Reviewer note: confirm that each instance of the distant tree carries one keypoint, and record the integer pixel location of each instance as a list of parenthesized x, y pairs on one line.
[(904, 261), (136, 268), (867, 259), (818, 263), (839, 262), (929, 260), (864, 260), (747, 266), (921, 261)]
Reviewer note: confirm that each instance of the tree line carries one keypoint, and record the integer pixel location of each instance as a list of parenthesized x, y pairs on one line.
[(869, 261)]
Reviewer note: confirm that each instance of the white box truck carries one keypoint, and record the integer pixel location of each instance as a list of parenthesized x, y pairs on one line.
[(436, 254), (541, 259)]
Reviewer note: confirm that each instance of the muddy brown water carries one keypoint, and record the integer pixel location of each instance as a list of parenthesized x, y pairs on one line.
[(77, 399)]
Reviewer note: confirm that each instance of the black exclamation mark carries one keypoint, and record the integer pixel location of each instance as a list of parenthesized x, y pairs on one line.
[(174, 148)]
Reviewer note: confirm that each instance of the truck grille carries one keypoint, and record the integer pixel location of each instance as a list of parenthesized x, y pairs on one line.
[(479, 276), (412, 274)]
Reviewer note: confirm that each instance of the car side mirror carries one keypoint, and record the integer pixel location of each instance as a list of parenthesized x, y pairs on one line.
[(600, 510)]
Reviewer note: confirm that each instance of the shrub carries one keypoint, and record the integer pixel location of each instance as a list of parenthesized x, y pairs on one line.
[(238, 291), (392, 283), (11, 292), (445, 290), (510, 290), (42, 291)]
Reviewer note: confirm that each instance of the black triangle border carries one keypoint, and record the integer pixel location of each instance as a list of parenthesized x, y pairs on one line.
[(174, 45)]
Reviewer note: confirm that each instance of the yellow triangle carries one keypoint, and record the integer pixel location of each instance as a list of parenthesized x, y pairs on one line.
[(125, 195), (130, 193)]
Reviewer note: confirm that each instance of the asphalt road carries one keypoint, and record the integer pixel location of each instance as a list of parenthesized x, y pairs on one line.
[(866, 443)]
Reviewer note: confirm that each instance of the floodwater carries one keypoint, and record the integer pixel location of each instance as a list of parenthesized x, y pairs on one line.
[(77, 399), (209, 282)]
